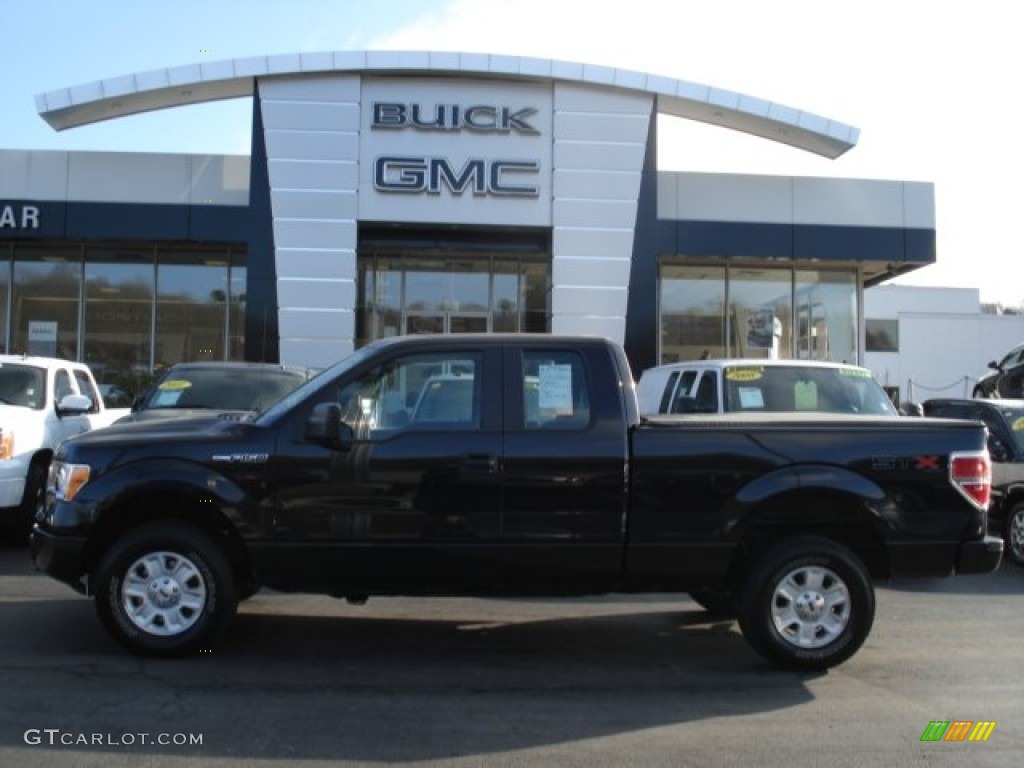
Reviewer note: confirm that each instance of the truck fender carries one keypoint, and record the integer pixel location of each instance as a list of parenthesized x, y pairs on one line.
[(155, 478), (742, 510)]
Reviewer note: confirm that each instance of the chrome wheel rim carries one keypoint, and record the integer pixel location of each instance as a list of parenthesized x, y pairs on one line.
[(164, 594), (810, 607)]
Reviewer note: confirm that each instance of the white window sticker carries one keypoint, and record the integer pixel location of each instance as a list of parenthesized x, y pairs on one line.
[(555, 388), (751, 397)]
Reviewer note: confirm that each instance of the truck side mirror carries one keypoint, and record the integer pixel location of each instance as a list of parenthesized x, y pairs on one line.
[(73, 405), (324, 426)]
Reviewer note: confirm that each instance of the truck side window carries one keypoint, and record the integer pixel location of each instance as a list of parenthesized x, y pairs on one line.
[(432, 391), (555, 390)]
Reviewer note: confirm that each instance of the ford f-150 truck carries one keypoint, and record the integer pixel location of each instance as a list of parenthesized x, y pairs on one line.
[(512, 465)]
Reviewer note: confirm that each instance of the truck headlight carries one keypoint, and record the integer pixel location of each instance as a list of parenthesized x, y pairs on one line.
[(67, 479)]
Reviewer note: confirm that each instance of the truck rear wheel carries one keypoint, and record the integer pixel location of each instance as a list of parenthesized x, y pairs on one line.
[(807, 604), (165, 589)]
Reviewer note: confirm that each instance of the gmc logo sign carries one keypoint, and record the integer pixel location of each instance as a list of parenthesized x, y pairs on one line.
[(431, 175)]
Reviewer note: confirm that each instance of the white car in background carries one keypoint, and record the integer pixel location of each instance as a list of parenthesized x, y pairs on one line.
[(43, 401), (749, 386)]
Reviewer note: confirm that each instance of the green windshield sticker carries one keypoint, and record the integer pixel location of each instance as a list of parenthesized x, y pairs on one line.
[(805, 396), (858, 372), (744, 374), (174, 384)]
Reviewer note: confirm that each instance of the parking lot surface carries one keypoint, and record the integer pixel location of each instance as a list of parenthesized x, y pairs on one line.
[(609, 681)]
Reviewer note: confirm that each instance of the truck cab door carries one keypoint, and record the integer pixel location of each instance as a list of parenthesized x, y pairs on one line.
[(566, 452), (411, 499)]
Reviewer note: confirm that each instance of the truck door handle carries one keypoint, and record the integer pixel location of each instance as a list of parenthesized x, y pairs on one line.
[(479, 463)]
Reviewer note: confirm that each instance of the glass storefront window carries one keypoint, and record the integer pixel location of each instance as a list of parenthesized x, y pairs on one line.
[(118, 312), (44, 304), (760, 312), (826, 311), (236, 307), (692, 301), (191, 313), (422, 291)]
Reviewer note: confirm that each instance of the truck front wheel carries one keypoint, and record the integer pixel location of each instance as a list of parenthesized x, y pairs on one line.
[(807, 604), (165, 589)]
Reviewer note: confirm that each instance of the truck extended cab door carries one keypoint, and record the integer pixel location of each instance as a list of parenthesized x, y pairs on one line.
[(566, 452), (414, 503)]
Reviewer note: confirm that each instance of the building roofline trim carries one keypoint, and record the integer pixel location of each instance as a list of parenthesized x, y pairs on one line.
[(235, 78)]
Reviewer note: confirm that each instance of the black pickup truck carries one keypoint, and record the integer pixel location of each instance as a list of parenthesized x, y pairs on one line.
[(512, 465)]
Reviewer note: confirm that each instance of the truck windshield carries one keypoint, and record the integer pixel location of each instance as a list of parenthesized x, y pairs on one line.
[(23, 385), (802, 388)]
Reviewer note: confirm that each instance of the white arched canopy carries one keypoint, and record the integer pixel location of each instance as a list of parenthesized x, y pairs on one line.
[(233, 78)]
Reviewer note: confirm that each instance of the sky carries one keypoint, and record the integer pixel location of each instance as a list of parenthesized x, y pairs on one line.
[(933, 87)]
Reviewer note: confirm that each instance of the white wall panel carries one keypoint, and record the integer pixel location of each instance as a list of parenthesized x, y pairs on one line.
[(138, 178), (317, 323), (309, 116), (310, 174), (590, 272), (588, 299), (596, 213), (726, 197), (312, 145), (607, 326), (588, 242), (33, 175), (848, 202), (569, 155), (314, 293), (596, 185), (219, 179), (316, 353), (315, 263), (314, 233), (314, 204)]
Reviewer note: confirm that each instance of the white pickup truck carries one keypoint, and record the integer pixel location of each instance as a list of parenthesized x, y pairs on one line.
[(43, 400)]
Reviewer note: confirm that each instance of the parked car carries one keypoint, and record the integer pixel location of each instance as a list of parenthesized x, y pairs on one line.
[(43, 400), (1005, 422), (1006, 379), (201, 388), (727, 386)]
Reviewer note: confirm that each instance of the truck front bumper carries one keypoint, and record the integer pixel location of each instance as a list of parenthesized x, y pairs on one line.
[(60, 556), (982, 556)]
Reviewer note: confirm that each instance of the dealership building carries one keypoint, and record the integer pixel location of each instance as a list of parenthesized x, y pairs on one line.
[(390, 193)]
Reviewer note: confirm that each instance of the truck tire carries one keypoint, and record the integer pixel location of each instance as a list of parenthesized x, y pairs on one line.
[(1014, 533), (165, 589), (808, 604), (24, 515)]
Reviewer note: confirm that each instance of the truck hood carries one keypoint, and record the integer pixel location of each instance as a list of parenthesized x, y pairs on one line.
[(157, 432), (164, 414)]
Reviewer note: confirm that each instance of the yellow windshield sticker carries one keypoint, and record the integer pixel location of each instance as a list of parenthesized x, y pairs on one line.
[(1018, 425), (174, 384), (744, 374)]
